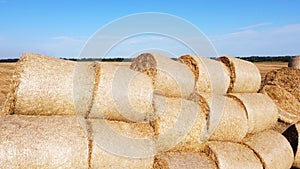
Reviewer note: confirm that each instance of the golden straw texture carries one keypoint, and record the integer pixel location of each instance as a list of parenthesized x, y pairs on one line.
[(262, 112), (42, 142), (244, 76), (286, 78), (210, 75), (45, 86), (120, 145), (179, 160), (170, 78), (273, 149), (227, 119), (288, 106), (122, 94), (180, 125), (230, 155)]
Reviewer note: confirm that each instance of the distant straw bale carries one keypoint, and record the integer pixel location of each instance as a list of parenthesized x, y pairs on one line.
[(295, 62)]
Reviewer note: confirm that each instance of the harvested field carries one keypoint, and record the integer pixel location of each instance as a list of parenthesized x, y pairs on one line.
[(6, 72), (265, 67)]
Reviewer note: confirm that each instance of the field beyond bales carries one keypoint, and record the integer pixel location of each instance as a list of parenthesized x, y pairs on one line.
[(265, 67), (6, 71)]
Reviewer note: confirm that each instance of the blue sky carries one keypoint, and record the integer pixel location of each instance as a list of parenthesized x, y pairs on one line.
[(237, 28)]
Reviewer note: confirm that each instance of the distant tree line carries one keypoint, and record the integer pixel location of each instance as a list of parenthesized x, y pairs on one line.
[(267, 58), (118, 59)]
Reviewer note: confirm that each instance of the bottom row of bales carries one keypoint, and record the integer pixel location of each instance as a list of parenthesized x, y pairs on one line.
[(60, 141)]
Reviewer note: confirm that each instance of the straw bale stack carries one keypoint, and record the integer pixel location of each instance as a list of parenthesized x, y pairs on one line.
[(122, 94)]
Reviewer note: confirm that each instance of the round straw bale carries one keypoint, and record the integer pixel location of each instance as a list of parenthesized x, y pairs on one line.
[(272, 148), (116, 144), (229, 155), (179, 160), (42, 142), (45, 86), (170, 78), (210, 75), (295, 62), (244, 76), (292, 135), (85, 80), (261, 111), (227, 119), (180, 125), (286, 78), (288, 106), (122, 94)]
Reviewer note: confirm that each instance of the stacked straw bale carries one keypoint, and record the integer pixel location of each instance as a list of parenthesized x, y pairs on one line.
[(42, 142), (122, 94), (261, 110), (180, 125), (227, 119), (170, 78), (272, 148), (179, 160), (244, 76), (46, 86), (116, 144), (232, 155), (211, 76)]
